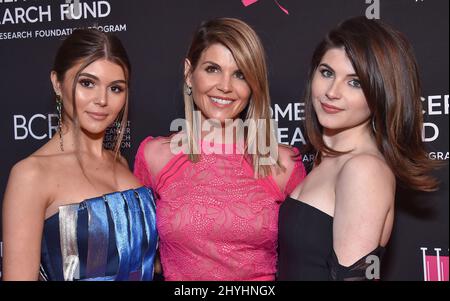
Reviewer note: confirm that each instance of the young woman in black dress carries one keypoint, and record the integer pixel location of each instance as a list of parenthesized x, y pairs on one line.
[(364, 119)]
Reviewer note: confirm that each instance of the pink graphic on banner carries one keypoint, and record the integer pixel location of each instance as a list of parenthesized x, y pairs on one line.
[(250, 2), (435, 267)]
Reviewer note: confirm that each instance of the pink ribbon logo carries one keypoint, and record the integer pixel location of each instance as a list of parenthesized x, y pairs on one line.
[(250, 2)]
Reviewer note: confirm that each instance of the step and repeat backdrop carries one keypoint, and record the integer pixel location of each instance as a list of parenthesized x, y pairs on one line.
[(156, 35)]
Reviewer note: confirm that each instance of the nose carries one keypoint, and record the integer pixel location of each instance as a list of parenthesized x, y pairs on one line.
[(224, 85), (333, 91), (101, 99)]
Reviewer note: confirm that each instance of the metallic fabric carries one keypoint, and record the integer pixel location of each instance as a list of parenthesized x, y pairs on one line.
[(147, 203), (118, 209), (69, 245), (111, 237), (98, 238)]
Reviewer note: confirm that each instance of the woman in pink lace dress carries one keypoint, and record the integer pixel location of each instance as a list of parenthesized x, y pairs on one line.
[(219, 193)]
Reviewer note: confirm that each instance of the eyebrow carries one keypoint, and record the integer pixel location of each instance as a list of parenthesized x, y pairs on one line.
[(211, 63), (218, 66), (329, 67), (96, 78)]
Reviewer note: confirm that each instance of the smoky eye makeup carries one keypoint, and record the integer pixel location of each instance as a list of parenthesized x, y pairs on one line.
[(86, 82), (212, 68), (325, 72), (117, 88), (355, 83)]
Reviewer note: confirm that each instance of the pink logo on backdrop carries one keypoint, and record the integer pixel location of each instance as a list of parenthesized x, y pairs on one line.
[(250, 2), (435, 266)]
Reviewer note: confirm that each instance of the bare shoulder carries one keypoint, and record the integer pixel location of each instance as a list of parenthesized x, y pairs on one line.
[(27, 183), (156, 152), (365, 177), (366, 165), (30, 170), (157, 145)]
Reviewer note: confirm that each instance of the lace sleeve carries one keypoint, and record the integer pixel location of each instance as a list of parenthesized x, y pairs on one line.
[(298, 173), (140, 165)]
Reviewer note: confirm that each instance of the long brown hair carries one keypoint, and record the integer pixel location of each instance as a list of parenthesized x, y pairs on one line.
[(86, 46), (386, 66), (248, 51)]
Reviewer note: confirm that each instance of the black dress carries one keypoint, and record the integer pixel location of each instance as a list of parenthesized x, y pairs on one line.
[(305, 242)]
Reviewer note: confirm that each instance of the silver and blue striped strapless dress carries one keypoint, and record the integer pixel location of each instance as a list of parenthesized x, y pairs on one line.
[(111, 237)]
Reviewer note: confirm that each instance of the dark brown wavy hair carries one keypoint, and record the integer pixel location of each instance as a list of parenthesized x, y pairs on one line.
[(386, 66)]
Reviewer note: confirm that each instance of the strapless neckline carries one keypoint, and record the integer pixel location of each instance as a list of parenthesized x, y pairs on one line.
[(109, 237), (317, 210), (82, 204)]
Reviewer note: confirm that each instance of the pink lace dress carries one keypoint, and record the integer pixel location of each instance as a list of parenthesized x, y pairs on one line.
[(215, 220)]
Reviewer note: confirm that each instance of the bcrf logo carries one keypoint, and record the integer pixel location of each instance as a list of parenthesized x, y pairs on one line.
[(38, 126)]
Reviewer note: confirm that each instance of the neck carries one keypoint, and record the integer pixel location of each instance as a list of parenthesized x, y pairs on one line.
[(82, 141), (216, 132), (351, 139)]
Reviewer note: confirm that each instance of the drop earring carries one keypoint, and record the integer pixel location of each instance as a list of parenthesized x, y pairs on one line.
[(118, 128), (188, 90), (59, 106), (373, 125)]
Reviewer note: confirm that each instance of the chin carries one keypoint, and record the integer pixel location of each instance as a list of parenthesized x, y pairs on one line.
[(329, 124), (94, 132), (217, 116)]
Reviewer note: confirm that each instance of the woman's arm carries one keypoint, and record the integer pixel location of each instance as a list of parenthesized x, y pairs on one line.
[(23, 217), (365, 192)]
